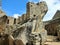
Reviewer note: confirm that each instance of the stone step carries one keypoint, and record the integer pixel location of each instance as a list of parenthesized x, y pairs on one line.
[(52, 43), (51, 38)]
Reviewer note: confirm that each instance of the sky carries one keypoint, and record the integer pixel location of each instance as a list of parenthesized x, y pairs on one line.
[(16, 8)]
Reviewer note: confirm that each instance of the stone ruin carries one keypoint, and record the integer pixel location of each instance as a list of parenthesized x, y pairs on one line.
[(58, 28), (27, 29), (52, 27)]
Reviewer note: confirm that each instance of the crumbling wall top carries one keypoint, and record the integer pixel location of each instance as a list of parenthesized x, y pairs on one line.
[(2, 13)]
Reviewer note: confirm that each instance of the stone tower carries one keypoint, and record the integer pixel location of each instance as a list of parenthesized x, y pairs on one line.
[(39, 8), (36, 12)]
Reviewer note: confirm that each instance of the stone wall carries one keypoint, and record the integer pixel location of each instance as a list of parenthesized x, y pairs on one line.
[(32, 9), (51, 27), (30, 21), (12, 21), (58, 28), (3, 19), (36, 9), (57, 15)]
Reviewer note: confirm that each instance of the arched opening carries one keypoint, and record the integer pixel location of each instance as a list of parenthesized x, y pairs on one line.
[(15, 21), (34, 15), (8, 21)]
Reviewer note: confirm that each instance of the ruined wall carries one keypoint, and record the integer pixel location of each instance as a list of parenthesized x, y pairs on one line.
[(10, 21), (2, 13), (3, 19), (58, 28), (51, 27), (36, 9), (35, 12), (57, 15), (24, 18), (32, 9), (20, 20), (17, 20)]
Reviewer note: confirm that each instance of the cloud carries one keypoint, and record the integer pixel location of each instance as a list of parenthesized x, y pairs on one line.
[(52, 3), (53, 6), (16, 15)]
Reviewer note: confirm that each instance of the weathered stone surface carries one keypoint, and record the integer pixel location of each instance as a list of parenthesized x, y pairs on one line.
[(11, 40), (2, 13), (29, 24), (52, 26), (36, 9), (58, 31), (18, 42), (4, 40), (57, 15), (3, 19)]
